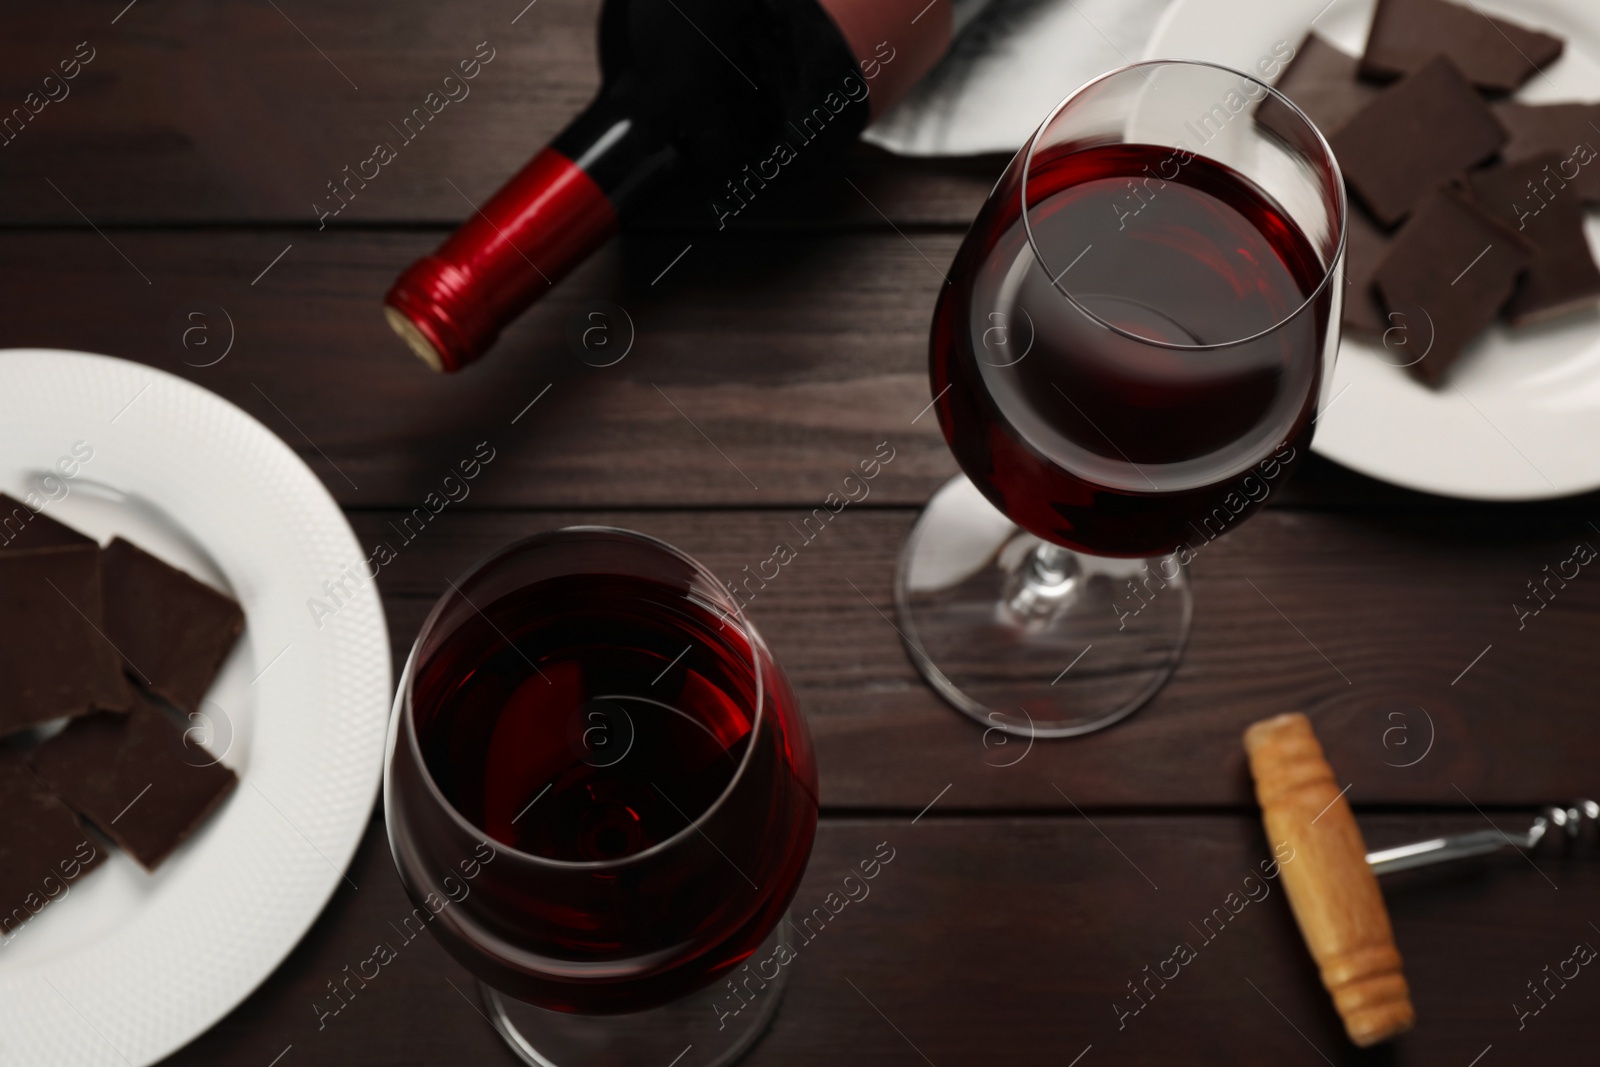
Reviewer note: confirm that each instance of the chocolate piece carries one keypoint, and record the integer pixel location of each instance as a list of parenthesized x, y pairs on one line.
[(43, 847), (1531, 198), (174, 630), (1321, 80), (23, 527), (1572, 131), (132, 776), (1423, 130), (1365, 245), (54, 657), (1446, 276), (1493, 54)]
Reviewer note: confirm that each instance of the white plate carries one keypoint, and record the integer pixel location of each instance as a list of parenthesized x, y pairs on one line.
[(128, 966), (1519, 417)]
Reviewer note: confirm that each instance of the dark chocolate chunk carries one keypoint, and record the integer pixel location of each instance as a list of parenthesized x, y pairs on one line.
[(1572, 131), (1423, 130), (1365, 245), (43, 847), (1321, 80), (1493, 54), (174, 630), (1531, 197), (135, 777), (1448, 272), (23, 527), (55, 659)]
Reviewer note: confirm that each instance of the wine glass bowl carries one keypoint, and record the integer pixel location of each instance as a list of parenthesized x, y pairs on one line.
[(1129, 358), (599, 791)]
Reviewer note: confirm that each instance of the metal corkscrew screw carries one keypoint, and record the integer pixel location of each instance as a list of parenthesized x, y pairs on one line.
[(1577, 819)]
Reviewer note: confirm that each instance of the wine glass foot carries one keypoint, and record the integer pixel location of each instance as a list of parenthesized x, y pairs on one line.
[(711, 1027), (1029, 637)]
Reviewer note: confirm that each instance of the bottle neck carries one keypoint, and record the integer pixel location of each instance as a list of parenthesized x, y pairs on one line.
[(451, 305), (622, 151)]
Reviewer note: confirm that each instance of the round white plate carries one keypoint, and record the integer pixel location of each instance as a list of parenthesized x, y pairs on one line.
[(1519, 415), (129, 966)]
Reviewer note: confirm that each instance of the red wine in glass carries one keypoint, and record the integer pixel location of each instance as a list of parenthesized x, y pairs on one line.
[(1109, 444), (1127, 362), (610, 710), (598, 780)]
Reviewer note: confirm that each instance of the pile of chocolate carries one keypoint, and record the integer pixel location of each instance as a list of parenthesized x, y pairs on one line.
[(123, 647), (1465, 205)]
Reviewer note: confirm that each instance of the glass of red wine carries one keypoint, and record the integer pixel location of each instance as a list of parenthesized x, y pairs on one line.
[(1128, 359), (601, 795)]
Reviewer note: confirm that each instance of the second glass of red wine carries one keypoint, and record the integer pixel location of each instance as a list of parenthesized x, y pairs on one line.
[(1128, 360), (600, 795)]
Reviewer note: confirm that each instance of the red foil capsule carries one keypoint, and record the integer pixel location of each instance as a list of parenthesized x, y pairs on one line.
[(450, 306)]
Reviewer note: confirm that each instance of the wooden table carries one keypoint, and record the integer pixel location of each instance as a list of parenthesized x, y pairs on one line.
[(180, 174)]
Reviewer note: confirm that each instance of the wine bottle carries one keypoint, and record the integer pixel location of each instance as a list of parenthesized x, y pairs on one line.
[(728, 91)]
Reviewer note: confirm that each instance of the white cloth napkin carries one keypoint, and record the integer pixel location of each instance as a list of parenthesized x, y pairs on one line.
[(1005, 72)]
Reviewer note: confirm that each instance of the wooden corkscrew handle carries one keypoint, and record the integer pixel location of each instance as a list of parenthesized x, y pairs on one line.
[(1331, 889)]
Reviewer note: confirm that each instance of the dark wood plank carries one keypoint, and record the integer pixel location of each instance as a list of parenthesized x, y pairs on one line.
[(794, 358), (1401, 605), (199, 111), (1012, 942), (794, 354)]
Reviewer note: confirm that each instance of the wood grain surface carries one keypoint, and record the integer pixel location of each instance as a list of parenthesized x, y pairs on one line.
[(179, 178), (1379, 616), (1012, 941)]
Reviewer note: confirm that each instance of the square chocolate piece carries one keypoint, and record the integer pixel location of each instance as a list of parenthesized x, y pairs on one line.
[(55, 659), (1321, 80), (1419, 132), (1447, 274), (174, 630), (43, 847), (23, 527), (136, 777), (1365, 245), (1531, 197), (1571, 131), (1493, 54)]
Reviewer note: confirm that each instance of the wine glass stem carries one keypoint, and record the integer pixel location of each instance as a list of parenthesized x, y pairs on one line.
[(1052, 564), (1049, 580)]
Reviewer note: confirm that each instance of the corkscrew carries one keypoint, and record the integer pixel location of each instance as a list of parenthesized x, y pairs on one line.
[(1331, 879), (1571, 823)]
